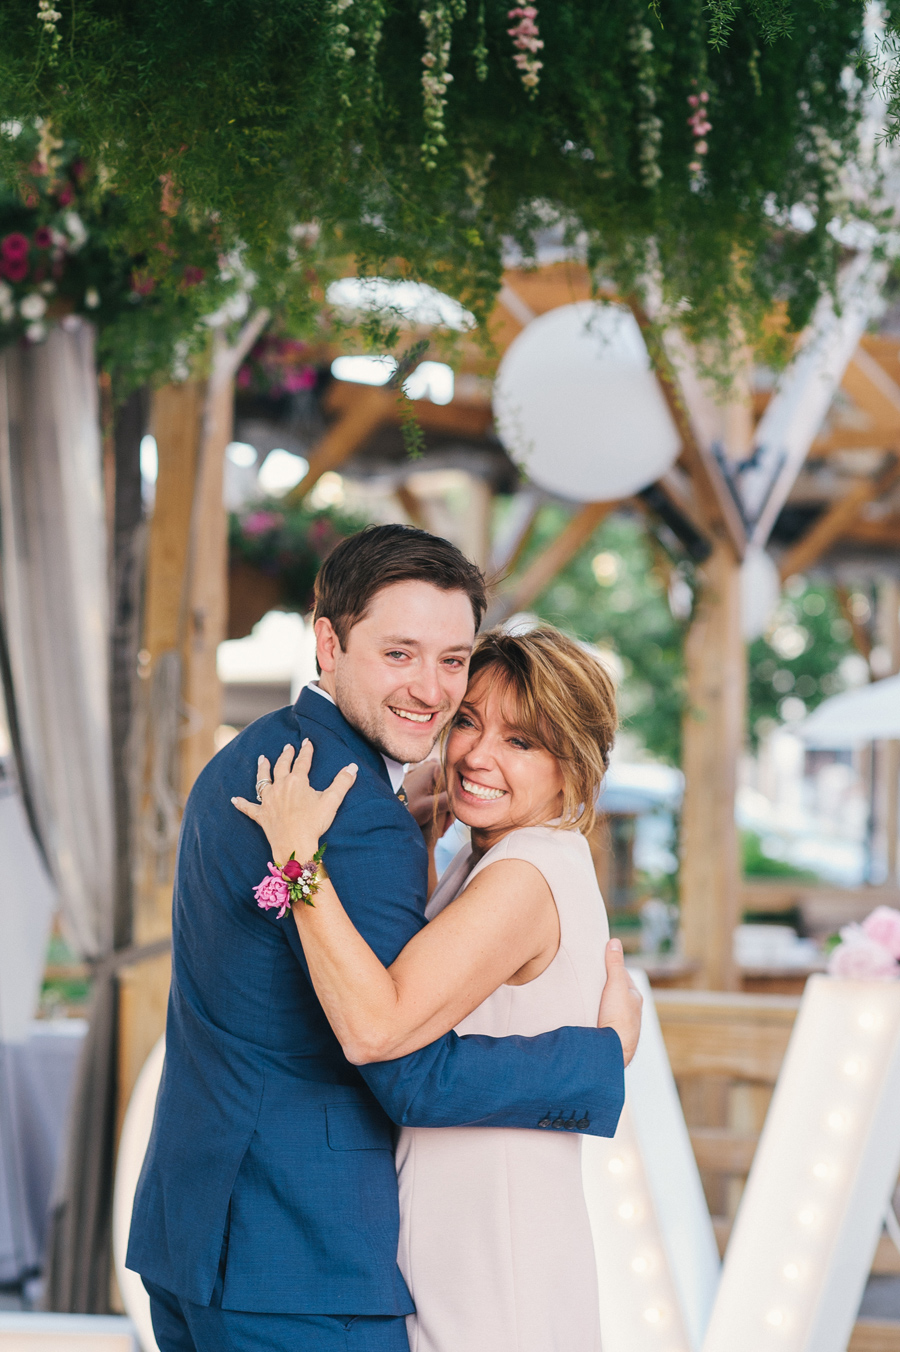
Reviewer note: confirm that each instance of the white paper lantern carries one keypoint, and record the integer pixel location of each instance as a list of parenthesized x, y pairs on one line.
[(760, 592), (579, 407)]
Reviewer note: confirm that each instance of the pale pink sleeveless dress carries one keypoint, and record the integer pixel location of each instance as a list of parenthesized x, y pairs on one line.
[(495, 1241)]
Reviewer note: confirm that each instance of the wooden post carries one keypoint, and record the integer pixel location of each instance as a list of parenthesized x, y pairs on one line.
[(713, 735)]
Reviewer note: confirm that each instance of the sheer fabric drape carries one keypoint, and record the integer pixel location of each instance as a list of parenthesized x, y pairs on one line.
[(55, 604)]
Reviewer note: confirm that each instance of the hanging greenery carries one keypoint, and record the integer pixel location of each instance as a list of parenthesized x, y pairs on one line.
[(667, 145), (288, 543)]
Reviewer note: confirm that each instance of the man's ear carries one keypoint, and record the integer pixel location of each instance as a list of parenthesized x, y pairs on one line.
[(328, 645)]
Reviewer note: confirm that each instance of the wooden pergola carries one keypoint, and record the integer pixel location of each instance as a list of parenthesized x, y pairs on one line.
[(824, 442)]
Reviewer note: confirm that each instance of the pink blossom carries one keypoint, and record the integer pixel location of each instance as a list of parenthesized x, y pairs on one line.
[(693, 100), (65, 195), (700, 147), (14, 269), (272, 892), (861, 957), (299, 380), (244, 378), (883, 925), (43, 237), (260, 523), (15, 245), (193, 276)]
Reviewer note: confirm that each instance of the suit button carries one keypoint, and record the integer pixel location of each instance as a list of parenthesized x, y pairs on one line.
[(558, 1122), (544, 1122), (570, 1124), (583, 1123)]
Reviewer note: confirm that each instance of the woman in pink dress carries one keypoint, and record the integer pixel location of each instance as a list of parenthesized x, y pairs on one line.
[(495, 1241)]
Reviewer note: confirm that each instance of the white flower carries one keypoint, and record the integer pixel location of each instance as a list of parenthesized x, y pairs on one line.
[(92, 298), (32, 306), (36, 332), (76, 230), (7, 313), (48, 288), (6, 294)]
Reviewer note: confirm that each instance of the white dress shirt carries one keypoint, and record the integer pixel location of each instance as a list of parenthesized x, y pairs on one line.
[(396, 769)]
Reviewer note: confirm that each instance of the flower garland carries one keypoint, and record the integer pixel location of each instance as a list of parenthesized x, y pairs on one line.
[(527, 41), (437, 20), (649, 126), (700, 126)]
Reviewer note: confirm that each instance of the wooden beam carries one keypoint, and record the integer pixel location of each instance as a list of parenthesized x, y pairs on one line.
[(871, 388), (862, 640), (713, 734), (525, 590), (804, 393), (836, 521), (880, 437), (363, 413), (714, 499)]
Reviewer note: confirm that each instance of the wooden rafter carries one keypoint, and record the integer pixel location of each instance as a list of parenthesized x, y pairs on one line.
[(837, 520), (552, 559)]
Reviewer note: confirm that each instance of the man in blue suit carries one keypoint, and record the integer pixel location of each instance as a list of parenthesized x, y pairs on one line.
[(266, 1215)]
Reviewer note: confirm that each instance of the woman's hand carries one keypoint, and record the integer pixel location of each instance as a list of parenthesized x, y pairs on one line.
[(292, 813), (621, 1001)]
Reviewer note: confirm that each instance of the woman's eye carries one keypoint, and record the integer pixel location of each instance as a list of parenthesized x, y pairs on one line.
[(463, 722), (520, 743)]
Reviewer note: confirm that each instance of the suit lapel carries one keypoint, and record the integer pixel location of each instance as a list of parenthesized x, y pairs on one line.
[(314, 708)]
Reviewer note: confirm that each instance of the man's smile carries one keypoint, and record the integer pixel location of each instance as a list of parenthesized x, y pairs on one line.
[(414, 717)]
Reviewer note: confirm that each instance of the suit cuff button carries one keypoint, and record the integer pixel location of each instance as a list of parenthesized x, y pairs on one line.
[(559, 1122), (583, 1123), (570, 1124), (544, 1122)]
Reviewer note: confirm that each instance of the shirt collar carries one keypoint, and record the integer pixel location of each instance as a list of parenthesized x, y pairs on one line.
[(396, 769)]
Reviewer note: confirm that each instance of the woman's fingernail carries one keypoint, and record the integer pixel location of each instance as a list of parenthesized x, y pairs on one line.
[(351, 768), (288, 747), (260, 759), (305, 742)]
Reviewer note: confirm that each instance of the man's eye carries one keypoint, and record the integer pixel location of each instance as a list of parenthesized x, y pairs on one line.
[(454, 662), (395, 653)]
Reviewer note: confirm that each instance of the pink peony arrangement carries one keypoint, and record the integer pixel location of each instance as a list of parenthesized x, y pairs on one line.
[(273, 891), (870, 950)]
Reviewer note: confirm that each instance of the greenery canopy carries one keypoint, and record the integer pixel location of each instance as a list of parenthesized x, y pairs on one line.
[(669, 143)]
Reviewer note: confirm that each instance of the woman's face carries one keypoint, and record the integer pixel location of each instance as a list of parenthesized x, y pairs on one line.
[(497, 778)]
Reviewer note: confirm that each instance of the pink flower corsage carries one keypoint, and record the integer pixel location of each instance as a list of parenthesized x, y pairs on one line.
[(290, 883)]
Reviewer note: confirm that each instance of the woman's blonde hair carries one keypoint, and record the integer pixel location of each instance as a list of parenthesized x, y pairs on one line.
[(560, 697)]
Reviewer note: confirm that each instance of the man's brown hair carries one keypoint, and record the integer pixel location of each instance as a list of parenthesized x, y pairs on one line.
[(375, 558)]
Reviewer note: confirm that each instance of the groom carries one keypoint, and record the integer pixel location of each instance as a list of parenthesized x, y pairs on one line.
[(266, 1216)]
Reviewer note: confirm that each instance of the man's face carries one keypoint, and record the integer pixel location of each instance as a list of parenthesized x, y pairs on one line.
[(405, 667)]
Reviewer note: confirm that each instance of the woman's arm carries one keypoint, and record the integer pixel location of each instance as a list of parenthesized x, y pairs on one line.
[(504, 924)]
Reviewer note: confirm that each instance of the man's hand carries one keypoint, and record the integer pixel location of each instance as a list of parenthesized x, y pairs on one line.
[(620, 1004), (420, 784)]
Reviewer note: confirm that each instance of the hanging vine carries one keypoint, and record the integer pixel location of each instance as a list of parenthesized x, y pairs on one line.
[(364, 119)]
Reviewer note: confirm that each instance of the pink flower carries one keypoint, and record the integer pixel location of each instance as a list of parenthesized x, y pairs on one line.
[(14, 269), (272, 892), (700, 147), (860, 957), (292, 870), (299, 380), (15, 246), (693, 100), (260, 523), (243, 378), (141, 282), (43, 237), (883, 925), (65, 195), (193, 276)]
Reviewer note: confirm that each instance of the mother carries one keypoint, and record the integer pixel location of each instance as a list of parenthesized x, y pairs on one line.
[(495, 1241)]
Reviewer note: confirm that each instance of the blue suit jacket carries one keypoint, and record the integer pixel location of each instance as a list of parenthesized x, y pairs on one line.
[(263, 1130)]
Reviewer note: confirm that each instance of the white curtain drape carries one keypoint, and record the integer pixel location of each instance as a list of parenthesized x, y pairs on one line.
[(55, 609)]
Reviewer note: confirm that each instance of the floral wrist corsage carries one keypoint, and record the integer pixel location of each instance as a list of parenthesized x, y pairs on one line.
[(291, 882)]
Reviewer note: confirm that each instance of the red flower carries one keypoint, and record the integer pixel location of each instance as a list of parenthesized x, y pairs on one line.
[(43, 237), (193, 276), (244, 378), (65, 195), (14, 269), (292, 870), (15, 246), (141, 282)]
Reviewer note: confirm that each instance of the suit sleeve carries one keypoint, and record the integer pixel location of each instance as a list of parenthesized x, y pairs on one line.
[(569, 1079)]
